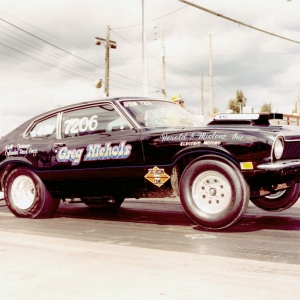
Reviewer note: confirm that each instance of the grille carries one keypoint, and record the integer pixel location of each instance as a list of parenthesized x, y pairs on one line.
[(291, 150)]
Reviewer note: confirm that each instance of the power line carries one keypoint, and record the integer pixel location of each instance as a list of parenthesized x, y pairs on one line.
[(170, 66), (42, 61), (36, 62), (235, 21), (223, 85), (61, 48), (46, 54), (47, 42), (39, 66), (153, 19), (40, 46), (277, 12), (150, 54), (49, 34), (238, 54), (113, 79)]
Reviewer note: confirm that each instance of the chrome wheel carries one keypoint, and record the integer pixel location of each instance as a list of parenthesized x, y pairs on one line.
[(23, 192), (276, 195), (26, 195), (211, 192), (280, 200)]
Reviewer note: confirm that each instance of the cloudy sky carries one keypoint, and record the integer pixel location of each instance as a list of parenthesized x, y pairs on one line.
[(48, 57)]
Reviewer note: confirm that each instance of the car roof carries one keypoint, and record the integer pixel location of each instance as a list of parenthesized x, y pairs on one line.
[(91, 102)]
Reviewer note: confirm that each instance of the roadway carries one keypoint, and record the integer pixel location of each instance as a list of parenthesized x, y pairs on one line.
[(148, 249)]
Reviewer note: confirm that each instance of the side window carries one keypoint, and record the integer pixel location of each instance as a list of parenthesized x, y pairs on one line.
[(44, 129), (91, 120)]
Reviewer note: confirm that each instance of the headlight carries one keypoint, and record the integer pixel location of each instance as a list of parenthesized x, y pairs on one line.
[(278, 148)]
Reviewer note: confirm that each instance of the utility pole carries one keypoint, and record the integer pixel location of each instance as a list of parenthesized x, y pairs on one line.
[(145, 61), (211, 111), (0, 122), (108, 44), (297, 99), (202, 95), (106, 90), (163, 62)]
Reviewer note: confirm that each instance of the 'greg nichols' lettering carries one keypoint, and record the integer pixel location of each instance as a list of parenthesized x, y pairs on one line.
[(73, 155), (99, 152)]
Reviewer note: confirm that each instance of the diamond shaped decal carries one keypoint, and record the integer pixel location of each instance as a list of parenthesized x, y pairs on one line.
[(157, 176)]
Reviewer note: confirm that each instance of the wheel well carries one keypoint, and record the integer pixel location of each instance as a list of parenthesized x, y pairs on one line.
[(5, 170), (185, 161)]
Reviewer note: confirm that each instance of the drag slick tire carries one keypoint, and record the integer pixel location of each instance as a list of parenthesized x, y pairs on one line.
[(113, 203), (213, 193), (26, 195), (280, 200)]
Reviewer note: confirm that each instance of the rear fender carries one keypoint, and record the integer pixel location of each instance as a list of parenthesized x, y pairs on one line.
[(11, 163)]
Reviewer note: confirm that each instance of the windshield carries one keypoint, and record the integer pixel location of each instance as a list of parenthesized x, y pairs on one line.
[(155, 113)]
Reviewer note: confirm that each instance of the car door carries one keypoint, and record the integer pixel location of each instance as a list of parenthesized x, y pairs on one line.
[(98, 152), (37, 144)]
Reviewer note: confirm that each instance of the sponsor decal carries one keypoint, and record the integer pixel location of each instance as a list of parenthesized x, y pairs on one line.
[(19, 149), (211, 138), (237, 137), (190, 143), (157, 176), (237, 116), (129, 104), (43, 131), (216, 143), (94, 152), (175, 137), (134, 103), (197, 143)]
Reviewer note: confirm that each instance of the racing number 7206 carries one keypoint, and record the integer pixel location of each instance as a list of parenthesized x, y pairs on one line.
[(81, 125)]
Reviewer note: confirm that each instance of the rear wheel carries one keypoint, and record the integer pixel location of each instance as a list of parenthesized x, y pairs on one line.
[(26, 195), (280, 200), (213, 193)]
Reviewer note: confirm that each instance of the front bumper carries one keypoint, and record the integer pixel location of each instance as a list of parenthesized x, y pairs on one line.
[(280, 165)]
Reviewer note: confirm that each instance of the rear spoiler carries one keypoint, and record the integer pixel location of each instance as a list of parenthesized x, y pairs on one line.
[(245, 119)]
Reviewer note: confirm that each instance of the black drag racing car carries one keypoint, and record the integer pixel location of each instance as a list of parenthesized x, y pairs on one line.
[(107, 150)]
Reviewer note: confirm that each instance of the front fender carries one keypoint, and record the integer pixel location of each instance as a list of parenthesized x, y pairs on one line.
[(196, 152)]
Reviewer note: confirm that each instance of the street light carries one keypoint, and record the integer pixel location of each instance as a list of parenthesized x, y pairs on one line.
[(98, 83), (112, 44)]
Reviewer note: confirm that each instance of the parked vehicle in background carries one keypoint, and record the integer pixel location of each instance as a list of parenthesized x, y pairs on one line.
[(107, 150)]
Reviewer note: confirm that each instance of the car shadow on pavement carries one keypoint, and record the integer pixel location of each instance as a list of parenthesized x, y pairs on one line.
[(256, 219), (171, 213), (136, 211)]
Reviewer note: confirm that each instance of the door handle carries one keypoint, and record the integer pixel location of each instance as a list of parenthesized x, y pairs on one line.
[(58, 145)]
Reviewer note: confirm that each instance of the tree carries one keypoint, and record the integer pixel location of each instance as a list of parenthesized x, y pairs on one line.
[(267, 107), (216, 110), (236, 104)]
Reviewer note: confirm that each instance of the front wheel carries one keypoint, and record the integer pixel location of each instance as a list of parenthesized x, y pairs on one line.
[(280, 200), (26, 195), (213, 193)]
